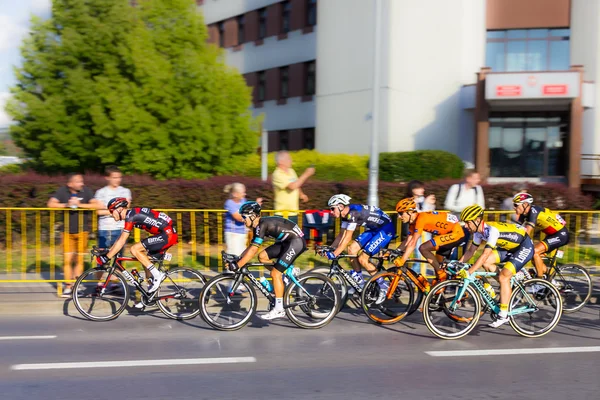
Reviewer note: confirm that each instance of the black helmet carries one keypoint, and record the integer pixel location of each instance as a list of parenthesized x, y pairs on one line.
[(117, 202), (250, 208)]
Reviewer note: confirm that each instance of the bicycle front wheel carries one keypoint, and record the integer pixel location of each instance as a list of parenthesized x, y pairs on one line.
[(575, 286), (535, 307), (396, 304), (446, 315), (313, 302), (95, 304), (178, 294), (339, 281), (225, 309)]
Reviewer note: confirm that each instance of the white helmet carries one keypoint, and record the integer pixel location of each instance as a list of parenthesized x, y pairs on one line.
[(337, 199)]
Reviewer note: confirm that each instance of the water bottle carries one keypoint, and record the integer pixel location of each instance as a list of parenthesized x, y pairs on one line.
[(265, 283), (73, 205), (488, 288)]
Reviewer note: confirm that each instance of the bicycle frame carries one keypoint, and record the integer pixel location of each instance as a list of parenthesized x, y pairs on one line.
[(335, 267), (492, 304)]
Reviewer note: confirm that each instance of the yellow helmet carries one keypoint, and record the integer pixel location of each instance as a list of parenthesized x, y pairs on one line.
[(471, 213), (407, 204)]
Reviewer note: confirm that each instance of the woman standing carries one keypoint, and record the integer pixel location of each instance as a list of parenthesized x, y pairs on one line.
[(235, 230)]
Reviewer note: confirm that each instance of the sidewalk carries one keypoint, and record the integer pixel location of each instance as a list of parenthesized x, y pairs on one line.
[(28, 298)]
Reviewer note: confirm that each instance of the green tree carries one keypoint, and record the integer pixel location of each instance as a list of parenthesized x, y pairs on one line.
[(104, 82)]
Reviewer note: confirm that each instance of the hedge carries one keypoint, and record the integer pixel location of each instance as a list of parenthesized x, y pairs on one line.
[(423, 165)]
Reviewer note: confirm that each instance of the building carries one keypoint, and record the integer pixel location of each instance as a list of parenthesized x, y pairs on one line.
[(506, 84)]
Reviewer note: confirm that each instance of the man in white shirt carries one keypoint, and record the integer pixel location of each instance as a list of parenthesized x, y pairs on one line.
[(468, 193), (109, 230)]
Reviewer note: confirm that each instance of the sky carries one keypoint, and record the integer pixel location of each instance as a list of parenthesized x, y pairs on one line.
[(14, 25)]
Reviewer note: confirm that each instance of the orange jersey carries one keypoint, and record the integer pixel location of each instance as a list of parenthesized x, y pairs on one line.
[(436, 223)]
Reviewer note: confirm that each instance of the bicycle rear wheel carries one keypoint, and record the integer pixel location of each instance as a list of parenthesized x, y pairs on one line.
[(575, 286), (395, 306), (178, 294), (226, 310), (447, 316), (314, 304), (96, 305), (541, 308)]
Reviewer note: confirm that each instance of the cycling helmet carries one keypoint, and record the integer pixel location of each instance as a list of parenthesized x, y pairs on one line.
[(471, 213), (407, 204), (521, 198), (337, 199), (117, 202), (250, 208)]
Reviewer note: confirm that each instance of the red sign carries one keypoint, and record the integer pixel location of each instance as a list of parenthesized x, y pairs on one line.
[(509, 90), (554, 90)]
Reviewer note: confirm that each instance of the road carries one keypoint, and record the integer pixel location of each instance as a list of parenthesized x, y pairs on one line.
[(349, 359)]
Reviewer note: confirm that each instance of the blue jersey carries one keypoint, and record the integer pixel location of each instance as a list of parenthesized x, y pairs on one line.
[(372, 218)]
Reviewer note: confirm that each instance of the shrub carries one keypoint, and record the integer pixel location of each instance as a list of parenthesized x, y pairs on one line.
[(424, 165)]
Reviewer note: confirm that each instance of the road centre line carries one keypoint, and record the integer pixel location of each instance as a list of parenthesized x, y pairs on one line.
[(502, 352), (27, 337), (134, 363)]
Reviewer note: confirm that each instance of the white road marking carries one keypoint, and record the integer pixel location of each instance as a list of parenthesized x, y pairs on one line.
[(27, 337), (134, 363), (502, 352)]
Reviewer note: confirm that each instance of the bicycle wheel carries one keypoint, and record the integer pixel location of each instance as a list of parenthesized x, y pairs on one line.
[(575, 286), (339, 281), (447, 316), (178, 294), (95, 305), (537, 306), (396, 305), (314, 304), (226, 310)]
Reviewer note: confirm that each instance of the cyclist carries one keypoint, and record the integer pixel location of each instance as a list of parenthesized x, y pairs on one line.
[(507, 243), (552, 224), (158, 224), (289, 245), (446, 231), (379, 232)]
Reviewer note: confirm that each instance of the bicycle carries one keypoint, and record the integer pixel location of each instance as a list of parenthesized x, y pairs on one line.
[(342, 277), (229, 301), (530, 315), (572, 281), (102, 293)]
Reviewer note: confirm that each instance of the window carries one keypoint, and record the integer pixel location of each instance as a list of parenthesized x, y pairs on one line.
[(311, 78), (262, 23), (284, 73), (528, 50), (286, 11), (241, 27), (311, 13), (528, 145), (309, 138), (262, 86), (221, 28), (284, 140)]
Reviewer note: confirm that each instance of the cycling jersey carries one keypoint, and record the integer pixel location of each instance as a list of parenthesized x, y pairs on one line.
[(372, 218), (436, 223), (500, 235), (147, 219), (278, 228), (543, 218)]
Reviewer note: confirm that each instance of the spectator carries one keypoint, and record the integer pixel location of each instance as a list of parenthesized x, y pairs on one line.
[(465, 194), (109, 230), (74, 195), (235, 229), (287, 186), (507, 204)]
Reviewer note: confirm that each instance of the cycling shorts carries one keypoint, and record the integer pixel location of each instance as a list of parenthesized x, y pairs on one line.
[(286, 252), (444, 244), (372, 241), (158, 244), (515, 259), (556, 240)]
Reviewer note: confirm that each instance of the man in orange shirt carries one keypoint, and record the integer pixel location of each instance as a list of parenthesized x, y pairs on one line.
[(447, 233)]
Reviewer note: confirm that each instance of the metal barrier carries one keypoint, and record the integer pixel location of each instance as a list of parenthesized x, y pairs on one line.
[(31, 239)]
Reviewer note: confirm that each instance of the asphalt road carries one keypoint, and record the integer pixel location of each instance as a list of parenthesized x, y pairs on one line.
[(349, 359)]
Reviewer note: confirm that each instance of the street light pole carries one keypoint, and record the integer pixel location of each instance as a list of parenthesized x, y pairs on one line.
[(264, 154), (373, 199)]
